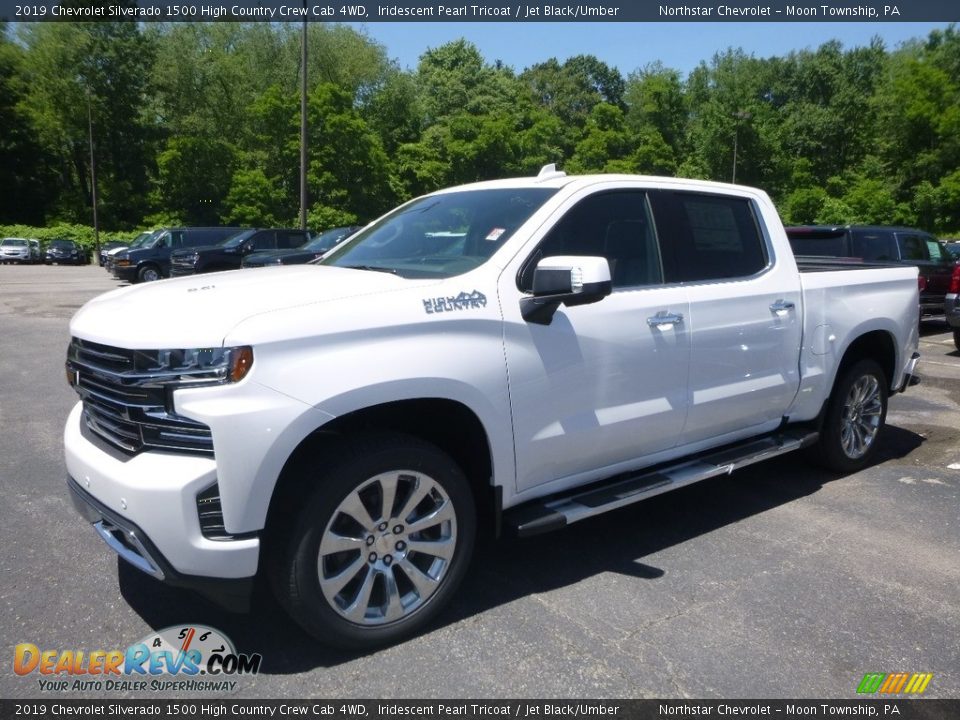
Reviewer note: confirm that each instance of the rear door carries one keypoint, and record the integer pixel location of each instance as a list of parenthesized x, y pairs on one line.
[(744, 312), (601, 385)]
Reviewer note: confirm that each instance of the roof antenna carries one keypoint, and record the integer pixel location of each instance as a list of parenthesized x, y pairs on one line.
[(549, 172)]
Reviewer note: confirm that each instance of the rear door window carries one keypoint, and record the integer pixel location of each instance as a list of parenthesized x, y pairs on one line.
[(712, 237)]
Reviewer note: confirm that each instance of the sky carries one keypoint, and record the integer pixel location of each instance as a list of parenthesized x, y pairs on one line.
[(629, 46)]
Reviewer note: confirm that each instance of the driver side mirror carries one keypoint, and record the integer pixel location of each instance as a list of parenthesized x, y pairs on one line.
[(568, 280)]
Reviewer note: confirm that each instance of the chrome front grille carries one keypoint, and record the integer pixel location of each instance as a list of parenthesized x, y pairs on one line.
[(127, 399)]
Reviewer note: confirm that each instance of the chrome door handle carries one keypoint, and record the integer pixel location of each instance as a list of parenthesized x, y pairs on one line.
[(665, 318), (781, 306)]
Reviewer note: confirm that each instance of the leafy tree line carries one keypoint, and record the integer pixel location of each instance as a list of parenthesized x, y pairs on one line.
[(198, 123)]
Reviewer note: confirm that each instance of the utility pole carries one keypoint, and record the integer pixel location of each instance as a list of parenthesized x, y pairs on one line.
[(303, 122), (740, 115), (93, 182)]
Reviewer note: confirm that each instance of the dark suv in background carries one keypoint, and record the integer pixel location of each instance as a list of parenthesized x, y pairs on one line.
[(881, 244), (151, 261), (229, 253), (318, 246)]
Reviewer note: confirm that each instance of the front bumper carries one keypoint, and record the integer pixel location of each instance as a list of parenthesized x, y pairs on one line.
[(125, 272), (132, 544), (155, 494)]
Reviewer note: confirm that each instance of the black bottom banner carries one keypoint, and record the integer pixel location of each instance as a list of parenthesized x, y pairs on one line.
[(892, 709)]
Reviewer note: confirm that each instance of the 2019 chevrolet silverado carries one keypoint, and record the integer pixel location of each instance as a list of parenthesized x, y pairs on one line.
[(525, 353)]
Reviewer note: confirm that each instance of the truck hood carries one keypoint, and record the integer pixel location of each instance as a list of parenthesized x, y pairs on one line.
[(200, 310)]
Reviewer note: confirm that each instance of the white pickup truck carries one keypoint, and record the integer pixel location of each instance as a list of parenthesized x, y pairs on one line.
[(525, 353)]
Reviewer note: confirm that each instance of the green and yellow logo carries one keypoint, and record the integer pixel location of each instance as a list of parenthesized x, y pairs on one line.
[(894, 683)]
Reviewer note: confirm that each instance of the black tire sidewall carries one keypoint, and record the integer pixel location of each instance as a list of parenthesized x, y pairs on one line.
[(831, 448), (300, 589)]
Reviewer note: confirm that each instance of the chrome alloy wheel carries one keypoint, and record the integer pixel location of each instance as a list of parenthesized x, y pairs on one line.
[(860, 418), (387, 547)]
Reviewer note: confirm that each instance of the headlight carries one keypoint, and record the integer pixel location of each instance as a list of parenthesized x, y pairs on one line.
[(121, 262), (197, 366)]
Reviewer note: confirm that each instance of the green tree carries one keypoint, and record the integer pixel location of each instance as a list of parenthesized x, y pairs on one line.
[(103, 66)]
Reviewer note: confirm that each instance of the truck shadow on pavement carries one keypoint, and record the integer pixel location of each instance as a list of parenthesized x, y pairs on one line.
[(509, 569)]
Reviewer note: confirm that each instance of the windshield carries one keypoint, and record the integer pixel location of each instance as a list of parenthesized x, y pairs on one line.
[(61, 244), (14, 241), (236, 239), (441, 235)]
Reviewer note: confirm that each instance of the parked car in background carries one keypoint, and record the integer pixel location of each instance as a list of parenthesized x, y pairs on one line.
[(953, 248), (62, 252), (15, 250), (151, 261), (111, 245), (229, 253), (881, 244), (951, 306), (36, 253), (317, 247), (139, 241)]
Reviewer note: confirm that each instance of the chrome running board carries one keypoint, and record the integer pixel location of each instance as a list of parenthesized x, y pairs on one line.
[(555, 512)]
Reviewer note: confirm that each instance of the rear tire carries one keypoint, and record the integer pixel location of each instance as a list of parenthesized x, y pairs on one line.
[(855, 417), (956, 338), (380, 546)]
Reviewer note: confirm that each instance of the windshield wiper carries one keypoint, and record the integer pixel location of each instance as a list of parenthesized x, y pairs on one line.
[(375, 268)]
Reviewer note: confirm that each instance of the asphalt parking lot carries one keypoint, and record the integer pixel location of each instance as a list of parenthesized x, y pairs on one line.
[(779, 581)]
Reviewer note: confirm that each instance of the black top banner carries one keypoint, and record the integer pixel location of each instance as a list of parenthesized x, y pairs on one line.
[(483, 11), (196, 708)]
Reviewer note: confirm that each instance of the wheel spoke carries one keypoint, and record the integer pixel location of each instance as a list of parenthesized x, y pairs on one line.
[(388, 489), (443, 513), (420, 491), (354, 507), (394, 606), (357, 610), (334, 584), (424, 584), (333, 543), (436, 548)]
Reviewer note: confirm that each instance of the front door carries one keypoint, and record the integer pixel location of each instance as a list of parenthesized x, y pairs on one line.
[(603, 384)]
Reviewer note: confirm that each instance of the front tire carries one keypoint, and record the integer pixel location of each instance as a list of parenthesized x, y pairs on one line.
[(148, 273), (856, 414), (380, 546)]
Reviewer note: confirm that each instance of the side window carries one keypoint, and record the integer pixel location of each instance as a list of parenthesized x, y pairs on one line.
[(874, 245), (934, 250), (714, 237), (264, 240), (288, 239), (615, 225), (912, 247), (196, 238)]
